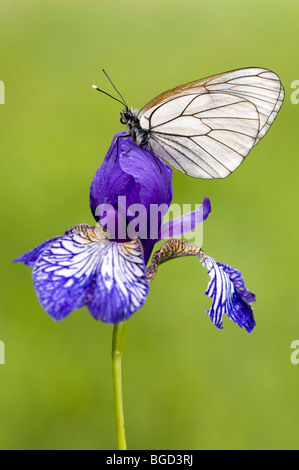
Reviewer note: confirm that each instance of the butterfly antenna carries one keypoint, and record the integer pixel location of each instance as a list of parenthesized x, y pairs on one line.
[(105, 93), (124, 101)]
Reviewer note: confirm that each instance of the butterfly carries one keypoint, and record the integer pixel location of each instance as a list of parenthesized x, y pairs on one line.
[(206, 128)]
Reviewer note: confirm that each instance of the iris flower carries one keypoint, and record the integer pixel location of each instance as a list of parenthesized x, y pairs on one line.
[(107, 267), (104, 268)]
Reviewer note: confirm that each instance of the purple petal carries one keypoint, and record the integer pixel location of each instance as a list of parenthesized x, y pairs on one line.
[(185, 223), (150, 172), (229, 295), (110, 181), (236, 277), (131, 175), (31, 256), (83, 267)]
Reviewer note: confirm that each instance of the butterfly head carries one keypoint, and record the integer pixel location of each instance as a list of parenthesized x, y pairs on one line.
[(130, 118)]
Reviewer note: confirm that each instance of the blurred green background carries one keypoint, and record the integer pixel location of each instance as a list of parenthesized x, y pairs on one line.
[(187, 385)]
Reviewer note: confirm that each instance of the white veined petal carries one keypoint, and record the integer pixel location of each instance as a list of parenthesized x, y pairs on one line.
[(125, 280), (82, 267), (70, 256), (229, 294)]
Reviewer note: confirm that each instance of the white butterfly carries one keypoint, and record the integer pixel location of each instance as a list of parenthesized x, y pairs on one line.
[(207, 127)]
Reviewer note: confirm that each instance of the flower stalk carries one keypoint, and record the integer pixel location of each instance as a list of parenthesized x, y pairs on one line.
[(118, 342)]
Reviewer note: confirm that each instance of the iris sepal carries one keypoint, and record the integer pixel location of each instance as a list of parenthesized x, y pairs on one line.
[(84, 267), (226, 287)]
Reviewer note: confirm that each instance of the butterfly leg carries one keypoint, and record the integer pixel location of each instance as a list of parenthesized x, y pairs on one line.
[(157, 161), (116, 143), (130, 147), (149, 148)]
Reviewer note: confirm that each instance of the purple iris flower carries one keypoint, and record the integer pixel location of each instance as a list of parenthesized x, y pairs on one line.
[(104, 267)]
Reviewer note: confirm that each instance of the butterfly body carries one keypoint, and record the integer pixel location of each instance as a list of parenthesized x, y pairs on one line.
[(140, 136)]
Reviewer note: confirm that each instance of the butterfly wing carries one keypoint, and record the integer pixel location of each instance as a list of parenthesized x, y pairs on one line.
[(207, 127)]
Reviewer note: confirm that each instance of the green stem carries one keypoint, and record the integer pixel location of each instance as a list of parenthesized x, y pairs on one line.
[(118, 341)]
